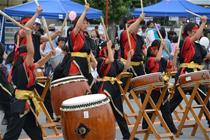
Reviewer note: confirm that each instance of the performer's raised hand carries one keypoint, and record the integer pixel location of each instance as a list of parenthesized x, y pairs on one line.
[(204, 19), (87, 7), (142, 16), (39, 9)]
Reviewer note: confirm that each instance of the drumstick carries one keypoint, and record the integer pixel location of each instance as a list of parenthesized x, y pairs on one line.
[(193, 13), (161, 38), (13, 21), (105, 30), (85, 1), (7, 91), (142, 7), (128, 35), (36, 2), (47, 31), (64, 22), (158, 31), (180, 33)]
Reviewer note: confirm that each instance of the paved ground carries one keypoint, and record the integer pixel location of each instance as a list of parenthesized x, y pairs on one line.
[(185, 136)]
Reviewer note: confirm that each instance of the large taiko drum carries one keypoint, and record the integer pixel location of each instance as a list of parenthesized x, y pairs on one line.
[(88, 117), (142, 82), (65, 88), (189, 79)]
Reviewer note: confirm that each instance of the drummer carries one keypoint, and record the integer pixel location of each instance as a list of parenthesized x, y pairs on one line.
[(191, 57), (156, 63), (137, 44), (108, 68), (81, 46), (22, 76)]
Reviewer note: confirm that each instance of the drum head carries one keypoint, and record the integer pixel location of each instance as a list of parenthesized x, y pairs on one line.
[(67, 79), (84, 102)]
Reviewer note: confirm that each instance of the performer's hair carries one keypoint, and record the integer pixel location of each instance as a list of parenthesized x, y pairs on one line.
[(188, 27), (60, 38), (175, 39), (75, 21), (1, 52), (154, 43), (163, 32), (149, 22)]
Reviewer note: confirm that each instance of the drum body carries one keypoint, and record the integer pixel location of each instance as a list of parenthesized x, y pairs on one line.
[(142, 82), (88, 117), (65, 88), (189, 79)]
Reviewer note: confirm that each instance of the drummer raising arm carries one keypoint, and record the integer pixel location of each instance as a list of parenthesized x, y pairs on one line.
[(24, 79), (108, 68), (192, 56)]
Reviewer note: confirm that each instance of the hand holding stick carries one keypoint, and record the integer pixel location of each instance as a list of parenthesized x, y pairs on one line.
[(105, 30), (47, 31), (13, 21)]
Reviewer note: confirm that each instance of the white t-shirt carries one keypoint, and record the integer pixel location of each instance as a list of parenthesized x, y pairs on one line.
[(55, 60)]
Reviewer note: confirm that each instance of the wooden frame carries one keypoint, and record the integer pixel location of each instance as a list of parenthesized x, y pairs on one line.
[(190, 108), (143, 113), (125, 98)]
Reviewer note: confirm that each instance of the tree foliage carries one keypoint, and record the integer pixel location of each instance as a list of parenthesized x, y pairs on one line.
[(117, 8)]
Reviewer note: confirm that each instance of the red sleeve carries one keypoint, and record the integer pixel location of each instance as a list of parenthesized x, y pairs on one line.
[(30, 73), (153, 65), (77, 41), (126, 44), (104, 67), (188, 50)]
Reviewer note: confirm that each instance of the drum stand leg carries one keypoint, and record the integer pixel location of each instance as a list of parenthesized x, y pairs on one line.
[(125, 98), (188, 108), (143, 112), (203, 109), (180, 107), (50, 123), (133, 113)]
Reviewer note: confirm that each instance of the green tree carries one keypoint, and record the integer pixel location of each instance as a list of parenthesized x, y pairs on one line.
[(136, 3), (117, 8)]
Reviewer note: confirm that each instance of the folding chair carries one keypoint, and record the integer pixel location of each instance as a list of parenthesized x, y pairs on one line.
[(191, 82), (145, 85), (125, 77)]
